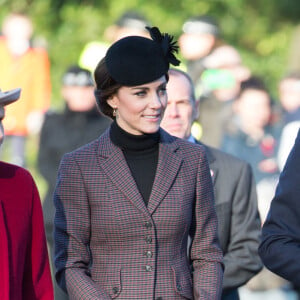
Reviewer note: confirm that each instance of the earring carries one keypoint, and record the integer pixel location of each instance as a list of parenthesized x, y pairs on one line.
[(114, 111)]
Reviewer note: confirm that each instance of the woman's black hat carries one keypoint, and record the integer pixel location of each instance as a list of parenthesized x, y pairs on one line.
[(136, 60)]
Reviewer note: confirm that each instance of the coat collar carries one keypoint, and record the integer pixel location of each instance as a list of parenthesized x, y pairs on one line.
[(113, 162), (213, 166)]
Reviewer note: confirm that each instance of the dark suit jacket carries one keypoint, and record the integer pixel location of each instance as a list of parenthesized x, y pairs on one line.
[(110, 245), (238, 217), (280, 246)]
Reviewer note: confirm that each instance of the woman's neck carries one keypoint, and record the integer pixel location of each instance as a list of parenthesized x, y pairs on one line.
[(128, 141)]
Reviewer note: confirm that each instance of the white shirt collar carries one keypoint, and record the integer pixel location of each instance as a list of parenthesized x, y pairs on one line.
[(191, 139)]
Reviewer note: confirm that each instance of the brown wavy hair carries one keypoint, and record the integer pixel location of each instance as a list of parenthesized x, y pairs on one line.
[(106, 87)]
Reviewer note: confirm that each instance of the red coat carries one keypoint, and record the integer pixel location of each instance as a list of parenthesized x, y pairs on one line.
[(24, 265)]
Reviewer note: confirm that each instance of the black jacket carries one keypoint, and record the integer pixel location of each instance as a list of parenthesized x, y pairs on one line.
[(280, 244), (62, 133), (238, 218)]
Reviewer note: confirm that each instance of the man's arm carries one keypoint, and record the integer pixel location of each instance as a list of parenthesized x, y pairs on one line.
[(241, 258), (280, 246)]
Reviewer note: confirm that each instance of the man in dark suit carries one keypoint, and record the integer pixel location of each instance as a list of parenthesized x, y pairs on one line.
[(234, 187), (280, 244)]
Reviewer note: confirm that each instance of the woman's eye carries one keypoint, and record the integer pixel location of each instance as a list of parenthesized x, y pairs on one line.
[(162, 90), (140, 94)]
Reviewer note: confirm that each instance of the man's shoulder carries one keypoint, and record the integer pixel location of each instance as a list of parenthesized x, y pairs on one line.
[(224, 159), (221, 155), (53, 115), (188, 146)]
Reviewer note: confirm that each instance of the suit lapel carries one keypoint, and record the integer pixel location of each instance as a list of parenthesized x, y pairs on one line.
[(113, 163), (212, 163), (168, 165)]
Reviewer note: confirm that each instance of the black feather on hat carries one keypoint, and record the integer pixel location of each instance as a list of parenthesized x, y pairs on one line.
[(136, 60)]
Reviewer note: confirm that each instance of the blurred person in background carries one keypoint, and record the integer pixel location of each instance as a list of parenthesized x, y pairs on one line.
[(30, 65), (289, 97), (235, 194), (62, 132), (24, 265), (129, 23), (218, 86), (251, 136), (200, 36)]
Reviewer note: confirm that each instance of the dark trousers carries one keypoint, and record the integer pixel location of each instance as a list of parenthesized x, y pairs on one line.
[(59, 294)]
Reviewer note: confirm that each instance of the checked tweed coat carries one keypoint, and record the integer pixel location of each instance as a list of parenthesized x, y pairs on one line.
[(109, 245)]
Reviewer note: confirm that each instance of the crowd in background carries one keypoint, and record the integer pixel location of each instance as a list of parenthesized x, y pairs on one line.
[(236, 111)]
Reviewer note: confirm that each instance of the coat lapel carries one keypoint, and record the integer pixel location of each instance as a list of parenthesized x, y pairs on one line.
[(168, 166), (213, 167), (113, 163)]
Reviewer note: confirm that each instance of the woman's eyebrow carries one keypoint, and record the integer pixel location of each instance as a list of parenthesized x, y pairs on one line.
[(140, 88), (162, 85)]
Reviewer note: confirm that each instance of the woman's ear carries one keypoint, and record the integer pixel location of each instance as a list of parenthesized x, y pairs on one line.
[(112, 102), (196, 108)]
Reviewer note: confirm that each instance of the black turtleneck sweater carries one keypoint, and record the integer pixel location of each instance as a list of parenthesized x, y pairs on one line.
[(141, 154)]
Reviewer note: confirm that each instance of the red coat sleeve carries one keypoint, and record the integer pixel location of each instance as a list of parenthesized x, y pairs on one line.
[(37, 280)]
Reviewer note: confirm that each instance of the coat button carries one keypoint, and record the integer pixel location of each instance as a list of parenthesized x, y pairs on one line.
[(148, 239), (148, 268), (148, 225), (115, 290), (148, 254), (179, 288)]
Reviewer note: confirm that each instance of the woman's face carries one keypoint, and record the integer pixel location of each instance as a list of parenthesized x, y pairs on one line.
[(254, 108), (140, 109)]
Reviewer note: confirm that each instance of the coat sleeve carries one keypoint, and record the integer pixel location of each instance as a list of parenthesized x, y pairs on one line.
[(280, 244), (206, 254), (37, 280), (241, 259), (72, 234)]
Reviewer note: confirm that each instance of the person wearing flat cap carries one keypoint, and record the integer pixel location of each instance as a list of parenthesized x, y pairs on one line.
[(127, 202), (24, 266)]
